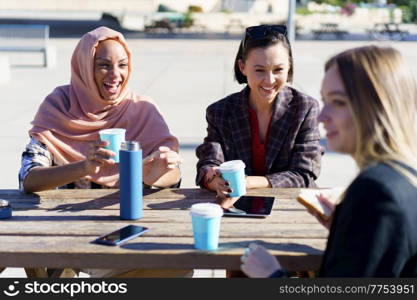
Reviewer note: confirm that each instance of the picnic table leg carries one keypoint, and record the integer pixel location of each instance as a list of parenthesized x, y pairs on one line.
[(235, 274), (300, 274), (36, 272), (62, 273), (154, 273), (306, 274), (45, 58)]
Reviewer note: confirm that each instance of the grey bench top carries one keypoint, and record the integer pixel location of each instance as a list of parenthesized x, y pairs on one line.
[(25, 38), (21, 48), (329, 28), (24, 31), (30, 37)]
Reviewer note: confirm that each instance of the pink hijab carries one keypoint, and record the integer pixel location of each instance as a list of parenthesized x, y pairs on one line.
[(69, 118)]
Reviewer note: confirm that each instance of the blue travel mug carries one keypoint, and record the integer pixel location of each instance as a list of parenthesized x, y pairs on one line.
[(130, 168), (5, 209)]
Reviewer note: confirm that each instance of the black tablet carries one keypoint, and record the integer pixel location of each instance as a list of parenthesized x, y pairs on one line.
[(251, 206)]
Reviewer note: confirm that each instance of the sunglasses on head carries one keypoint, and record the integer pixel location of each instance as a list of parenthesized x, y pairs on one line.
[(262, 31)]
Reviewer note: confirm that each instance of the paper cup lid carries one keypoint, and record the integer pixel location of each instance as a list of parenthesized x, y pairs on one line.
[(232, 165), (206, 210), (4, 203), (112, 131)]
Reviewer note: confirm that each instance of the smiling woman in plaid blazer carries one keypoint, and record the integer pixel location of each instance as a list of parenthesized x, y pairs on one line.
[(268, 125)]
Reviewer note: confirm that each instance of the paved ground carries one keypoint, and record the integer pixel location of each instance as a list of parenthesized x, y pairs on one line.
[(183, 75)]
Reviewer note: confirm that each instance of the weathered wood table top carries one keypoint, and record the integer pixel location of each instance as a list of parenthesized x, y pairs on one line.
[(55, 228)]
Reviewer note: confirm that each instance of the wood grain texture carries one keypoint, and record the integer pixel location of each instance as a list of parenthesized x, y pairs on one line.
[(276, 217), (55, 229), (36, 272), (170, 229), (152, 253), (153, 199)]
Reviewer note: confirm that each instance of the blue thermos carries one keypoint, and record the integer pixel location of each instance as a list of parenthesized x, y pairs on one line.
[(130, 169)]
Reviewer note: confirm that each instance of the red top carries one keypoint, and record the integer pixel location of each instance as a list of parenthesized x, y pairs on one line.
[(258, 149), (258, 154)]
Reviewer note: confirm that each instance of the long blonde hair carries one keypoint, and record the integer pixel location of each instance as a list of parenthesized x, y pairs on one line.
[(383, 102)]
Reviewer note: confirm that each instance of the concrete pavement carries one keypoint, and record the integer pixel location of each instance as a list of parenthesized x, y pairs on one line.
[(182, 76)]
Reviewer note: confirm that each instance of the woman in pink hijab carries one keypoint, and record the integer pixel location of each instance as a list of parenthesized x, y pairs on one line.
[(65, 146)]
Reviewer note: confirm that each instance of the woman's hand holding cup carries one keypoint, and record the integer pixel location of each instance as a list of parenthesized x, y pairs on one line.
[(97, 156), (215, 182)]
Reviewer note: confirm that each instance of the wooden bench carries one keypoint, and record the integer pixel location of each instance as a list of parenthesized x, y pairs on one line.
[(329, 29), (5, 70), (27, 38), (158, 25), (235, 24)]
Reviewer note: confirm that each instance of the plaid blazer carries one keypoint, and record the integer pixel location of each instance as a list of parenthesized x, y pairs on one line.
[(293, 152)]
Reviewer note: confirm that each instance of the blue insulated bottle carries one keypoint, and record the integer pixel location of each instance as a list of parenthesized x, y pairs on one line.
[(130, 169)]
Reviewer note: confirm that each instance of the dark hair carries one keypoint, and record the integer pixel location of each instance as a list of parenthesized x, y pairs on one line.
[(271, 39)]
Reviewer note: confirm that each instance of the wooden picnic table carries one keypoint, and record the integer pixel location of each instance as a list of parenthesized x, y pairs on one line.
[(54, 229), (388, 31), (329, 29), (164, 24)]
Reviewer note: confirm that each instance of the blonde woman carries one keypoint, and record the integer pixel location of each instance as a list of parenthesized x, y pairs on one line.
[(370, 110)]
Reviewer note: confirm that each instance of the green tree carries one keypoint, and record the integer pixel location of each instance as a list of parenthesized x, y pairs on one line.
[(409, 7), (402, 2), (413, 11), (164, 8)]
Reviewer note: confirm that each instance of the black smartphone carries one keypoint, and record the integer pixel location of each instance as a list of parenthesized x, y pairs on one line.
[(251, 206), (122, 235)]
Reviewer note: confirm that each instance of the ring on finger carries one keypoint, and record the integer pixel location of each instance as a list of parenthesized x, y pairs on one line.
[(211, 179)]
